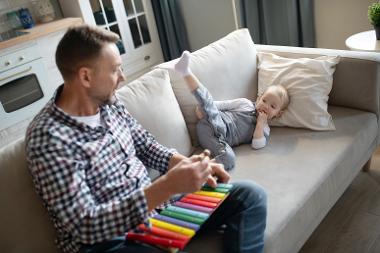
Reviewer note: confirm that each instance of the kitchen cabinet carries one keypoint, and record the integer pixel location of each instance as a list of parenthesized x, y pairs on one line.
[(29, 75), (132, 20), (47, 46)]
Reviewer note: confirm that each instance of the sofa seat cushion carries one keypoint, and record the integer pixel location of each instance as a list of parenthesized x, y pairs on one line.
[(304, 172)]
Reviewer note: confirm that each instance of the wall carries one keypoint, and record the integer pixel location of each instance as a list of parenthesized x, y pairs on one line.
[(335, 20), (207, 20), (12, 5)]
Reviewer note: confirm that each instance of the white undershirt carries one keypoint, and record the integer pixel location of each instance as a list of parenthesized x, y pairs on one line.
[(92, 121)]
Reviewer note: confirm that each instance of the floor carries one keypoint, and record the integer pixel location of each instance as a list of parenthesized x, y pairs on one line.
[(353, 224)]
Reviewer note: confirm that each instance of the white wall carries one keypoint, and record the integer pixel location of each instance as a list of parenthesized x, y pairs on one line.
[(335, 20), (207, 20)]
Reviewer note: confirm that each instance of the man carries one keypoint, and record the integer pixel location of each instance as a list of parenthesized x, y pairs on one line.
[(88, 158)]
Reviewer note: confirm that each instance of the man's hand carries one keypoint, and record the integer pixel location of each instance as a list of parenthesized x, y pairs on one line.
[(219, 174), (187, 175)]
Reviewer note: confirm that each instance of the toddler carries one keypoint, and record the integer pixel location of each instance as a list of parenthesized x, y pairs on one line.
[(225, 124)]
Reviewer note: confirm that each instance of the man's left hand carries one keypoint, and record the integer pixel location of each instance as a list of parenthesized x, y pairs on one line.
[(219, 174)]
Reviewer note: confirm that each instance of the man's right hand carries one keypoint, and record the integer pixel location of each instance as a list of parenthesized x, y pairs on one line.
[(186, 176), (189, 174)]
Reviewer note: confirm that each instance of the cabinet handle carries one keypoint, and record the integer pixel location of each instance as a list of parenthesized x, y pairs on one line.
[(16, 74), (7, 63), (147, 58)]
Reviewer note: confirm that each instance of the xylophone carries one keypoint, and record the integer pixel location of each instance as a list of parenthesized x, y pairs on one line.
[(174, 226)]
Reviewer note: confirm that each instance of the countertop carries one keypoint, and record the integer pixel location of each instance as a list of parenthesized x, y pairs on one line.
[(41, 30)]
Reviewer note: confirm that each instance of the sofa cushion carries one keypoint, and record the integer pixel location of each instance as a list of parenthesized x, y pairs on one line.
[(304, 172), (150, 99), (25, 225), (229, 63), (308, 81)]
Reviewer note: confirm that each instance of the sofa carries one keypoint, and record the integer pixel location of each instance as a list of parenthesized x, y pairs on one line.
[(303, 171)]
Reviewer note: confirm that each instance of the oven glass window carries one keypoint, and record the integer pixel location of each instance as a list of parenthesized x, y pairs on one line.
[(20, 92)]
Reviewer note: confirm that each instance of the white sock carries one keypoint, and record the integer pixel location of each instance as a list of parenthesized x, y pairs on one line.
[(181, 65)]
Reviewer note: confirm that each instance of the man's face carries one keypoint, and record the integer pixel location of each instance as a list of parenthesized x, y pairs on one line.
[(270, 103), (106, 75)]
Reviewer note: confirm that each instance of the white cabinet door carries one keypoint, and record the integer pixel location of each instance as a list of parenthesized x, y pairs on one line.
[(47, 46), (132, 20)]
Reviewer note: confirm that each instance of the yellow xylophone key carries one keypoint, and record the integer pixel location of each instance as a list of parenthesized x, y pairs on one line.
[(172, 227), (211, 194)]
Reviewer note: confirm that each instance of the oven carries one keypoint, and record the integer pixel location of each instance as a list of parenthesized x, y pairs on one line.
[(24, 87)]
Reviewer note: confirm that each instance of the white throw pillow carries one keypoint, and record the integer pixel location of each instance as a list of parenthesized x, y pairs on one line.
[(150, 99), (308, 81)]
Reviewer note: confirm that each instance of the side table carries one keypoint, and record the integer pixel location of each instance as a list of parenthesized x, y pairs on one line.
[(364, 41)]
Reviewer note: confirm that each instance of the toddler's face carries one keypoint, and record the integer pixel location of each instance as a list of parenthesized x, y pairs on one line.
[(269, 103)]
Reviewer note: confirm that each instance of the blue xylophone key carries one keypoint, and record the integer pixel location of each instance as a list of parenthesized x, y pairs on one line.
[(221, 185), (188, 212)]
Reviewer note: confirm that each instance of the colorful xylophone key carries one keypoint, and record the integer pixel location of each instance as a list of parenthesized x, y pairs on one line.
[(178, 223)]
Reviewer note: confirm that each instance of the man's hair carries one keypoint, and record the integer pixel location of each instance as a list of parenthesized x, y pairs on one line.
[(282, 92), (79, 47)]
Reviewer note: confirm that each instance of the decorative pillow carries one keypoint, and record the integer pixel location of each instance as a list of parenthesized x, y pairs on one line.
[(150, 99), (225, 68), (308, 81)]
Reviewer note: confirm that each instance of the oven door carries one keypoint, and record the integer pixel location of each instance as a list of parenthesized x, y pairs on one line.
[(24, 90)]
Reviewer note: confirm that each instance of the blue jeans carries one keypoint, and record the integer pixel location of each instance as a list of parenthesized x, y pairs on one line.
[(243, 214)]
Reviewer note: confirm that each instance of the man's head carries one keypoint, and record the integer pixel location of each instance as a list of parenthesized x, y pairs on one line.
[(87, 56), (273, 101)]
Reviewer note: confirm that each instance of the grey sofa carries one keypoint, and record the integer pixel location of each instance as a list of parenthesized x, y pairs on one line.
[(304, 172)]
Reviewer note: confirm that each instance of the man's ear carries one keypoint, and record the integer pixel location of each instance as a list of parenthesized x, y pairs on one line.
[(85, 76)]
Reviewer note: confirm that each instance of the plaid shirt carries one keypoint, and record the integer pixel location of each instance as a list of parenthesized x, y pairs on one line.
[(91, 180)]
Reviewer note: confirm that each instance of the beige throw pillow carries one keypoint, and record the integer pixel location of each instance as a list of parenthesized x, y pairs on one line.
[(150, 99), (308, 81)]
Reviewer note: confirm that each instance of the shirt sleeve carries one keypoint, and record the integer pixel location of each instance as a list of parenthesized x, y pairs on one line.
[(152, 154), (261, 142), (60, 179)]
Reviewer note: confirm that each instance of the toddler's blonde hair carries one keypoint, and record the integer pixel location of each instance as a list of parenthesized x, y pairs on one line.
[(280, 91)]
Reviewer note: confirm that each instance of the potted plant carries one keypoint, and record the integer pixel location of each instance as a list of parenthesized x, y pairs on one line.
[(374, 17)]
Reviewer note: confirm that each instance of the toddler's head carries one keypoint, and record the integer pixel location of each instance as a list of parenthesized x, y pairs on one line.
[(273, 101)]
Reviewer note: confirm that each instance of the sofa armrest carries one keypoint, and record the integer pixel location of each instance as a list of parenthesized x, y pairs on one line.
[(356, 79)]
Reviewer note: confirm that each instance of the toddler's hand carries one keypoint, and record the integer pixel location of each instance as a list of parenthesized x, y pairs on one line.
[(262, 118)]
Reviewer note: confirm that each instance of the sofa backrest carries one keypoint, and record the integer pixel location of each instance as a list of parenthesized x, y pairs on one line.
[(150, 99), (25, 225)]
